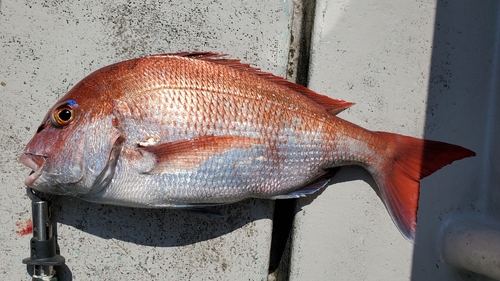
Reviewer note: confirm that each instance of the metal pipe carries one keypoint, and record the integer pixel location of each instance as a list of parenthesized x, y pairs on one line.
[(473, 246), (41, 232), (43, 244)]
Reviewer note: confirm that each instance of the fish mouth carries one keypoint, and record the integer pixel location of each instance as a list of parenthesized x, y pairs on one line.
[(34, 162)]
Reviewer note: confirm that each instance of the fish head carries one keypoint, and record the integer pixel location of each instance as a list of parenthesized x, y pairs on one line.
[(54, 153), (72, 145)]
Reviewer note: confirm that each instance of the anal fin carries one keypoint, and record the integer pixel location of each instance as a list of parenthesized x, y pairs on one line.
[(311, 188)]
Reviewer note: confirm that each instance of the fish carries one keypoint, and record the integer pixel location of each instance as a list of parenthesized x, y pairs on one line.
[(194, 130)]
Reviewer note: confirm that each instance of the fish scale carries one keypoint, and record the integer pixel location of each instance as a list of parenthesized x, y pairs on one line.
[(179, 130), (195, 113)]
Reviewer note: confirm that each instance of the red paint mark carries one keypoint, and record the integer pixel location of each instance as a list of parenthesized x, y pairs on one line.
[(25, 228)]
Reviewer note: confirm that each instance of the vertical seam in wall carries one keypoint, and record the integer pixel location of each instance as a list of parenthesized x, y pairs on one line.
[(301, 28), (300, 41), (486, 171)]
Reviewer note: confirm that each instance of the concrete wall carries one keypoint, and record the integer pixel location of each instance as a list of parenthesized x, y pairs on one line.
[(420, 68)]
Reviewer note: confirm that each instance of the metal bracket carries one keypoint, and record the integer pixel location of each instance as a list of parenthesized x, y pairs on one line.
[(43, 244)]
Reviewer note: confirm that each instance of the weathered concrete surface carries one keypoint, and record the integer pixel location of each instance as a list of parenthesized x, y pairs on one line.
[(47, 47)]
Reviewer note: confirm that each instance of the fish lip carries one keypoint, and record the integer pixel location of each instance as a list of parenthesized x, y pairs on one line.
[(34, 162)]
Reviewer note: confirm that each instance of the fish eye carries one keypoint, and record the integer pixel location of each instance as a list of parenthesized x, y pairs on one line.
[(63, 115)]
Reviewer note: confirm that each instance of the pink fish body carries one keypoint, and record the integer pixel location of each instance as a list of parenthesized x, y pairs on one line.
[(195, 129)]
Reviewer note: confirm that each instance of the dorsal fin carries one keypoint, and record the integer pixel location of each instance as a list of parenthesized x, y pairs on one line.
[(330, 105)]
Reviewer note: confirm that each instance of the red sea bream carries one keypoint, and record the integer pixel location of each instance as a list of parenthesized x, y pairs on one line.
[(193, 129)]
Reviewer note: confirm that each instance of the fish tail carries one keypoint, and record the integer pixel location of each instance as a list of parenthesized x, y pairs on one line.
[(398, 178)]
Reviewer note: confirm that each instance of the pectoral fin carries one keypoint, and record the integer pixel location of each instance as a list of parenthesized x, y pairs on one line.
[(190, 153)]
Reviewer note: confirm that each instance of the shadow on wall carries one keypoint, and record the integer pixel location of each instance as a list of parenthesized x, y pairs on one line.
[(151, 227), (156, 227), (463, 105)]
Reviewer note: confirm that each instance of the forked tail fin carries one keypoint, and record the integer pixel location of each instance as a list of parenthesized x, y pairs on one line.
[(399, 177)]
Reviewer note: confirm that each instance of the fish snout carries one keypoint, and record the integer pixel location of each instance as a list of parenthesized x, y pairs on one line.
[(34, 162)]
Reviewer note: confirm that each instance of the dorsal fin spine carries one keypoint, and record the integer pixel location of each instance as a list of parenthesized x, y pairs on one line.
[(330, 105)]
